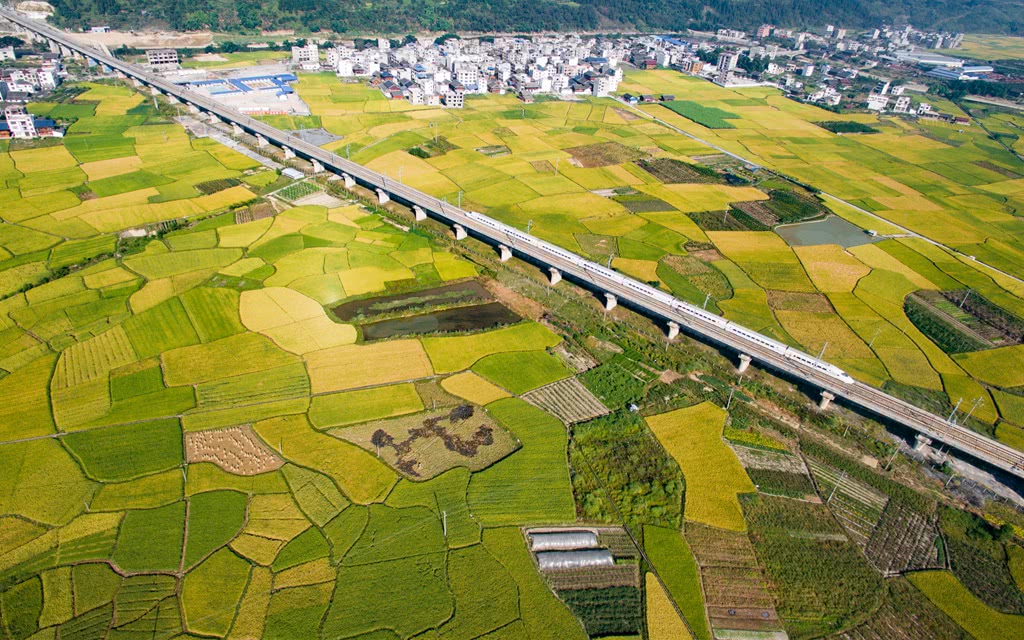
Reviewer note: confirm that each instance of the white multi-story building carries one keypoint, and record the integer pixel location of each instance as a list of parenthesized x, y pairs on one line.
[(307, 57), (727, 61), (877, 102), (162, 58), (20, 122), (454, 99), (7, 53), (902, 105)]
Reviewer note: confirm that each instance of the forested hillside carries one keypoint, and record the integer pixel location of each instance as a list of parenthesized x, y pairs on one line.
[(397, 16)]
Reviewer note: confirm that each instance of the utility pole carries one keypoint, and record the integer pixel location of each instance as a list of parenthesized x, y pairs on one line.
[(706, 298), (460, 198), (977, 401), (728, 403), (889, 463), (964, 301), (822, 353), (836, 488), (953, 412), (529, 225), (444, 524)]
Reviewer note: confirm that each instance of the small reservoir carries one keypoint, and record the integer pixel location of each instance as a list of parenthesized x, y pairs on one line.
[(831, 230), (482, 316)]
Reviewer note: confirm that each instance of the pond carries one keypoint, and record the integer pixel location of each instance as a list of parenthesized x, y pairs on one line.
[(482, 316), (367, 308), (831, 230)]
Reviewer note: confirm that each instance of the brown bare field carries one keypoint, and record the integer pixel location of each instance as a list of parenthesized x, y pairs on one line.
[(236, 450), (735, 589)]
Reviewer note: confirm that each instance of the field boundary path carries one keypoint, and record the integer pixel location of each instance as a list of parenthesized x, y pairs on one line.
[(562, 263)]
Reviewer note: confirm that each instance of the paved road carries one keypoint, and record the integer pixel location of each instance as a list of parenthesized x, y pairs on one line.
[(624, 288)]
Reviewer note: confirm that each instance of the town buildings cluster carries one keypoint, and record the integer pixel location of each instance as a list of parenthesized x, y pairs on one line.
[(443, 74), (23, 77), (825, 67)]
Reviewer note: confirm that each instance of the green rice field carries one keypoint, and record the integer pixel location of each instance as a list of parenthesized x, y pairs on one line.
[(182, 448)]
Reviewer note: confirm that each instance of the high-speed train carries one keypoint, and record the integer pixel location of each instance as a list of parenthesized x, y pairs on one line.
[(516, 236)]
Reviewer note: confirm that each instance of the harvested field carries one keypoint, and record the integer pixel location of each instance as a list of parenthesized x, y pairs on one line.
[(758, 211), (603, 154), (620, 575), (236, 450), (735, 588), (769, 460), (568, 400), (904, 540), (254, 212), (425, 445), (856, 505), (672, 171)]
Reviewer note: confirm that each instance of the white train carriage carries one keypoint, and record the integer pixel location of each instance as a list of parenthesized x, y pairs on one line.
[(660, 296)]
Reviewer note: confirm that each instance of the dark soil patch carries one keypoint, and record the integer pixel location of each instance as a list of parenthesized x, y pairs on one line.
[(672, 171)]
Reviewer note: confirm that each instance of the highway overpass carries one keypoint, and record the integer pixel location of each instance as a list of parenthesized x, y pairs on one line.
[(928, 425)]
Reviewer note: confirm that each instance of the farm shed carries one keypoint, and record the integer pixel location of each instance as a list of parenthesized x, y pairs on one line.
[(555, 560), (563, 541)]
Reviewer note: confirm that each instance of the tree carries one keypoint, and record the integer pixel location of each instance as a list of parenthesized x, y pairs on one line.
[(11, 41)]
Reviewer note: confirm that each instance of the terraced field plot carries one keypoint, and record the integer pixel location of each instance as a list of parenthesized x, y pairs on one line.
[(191, 379), (901, 173), (735, 588), (856, 505)]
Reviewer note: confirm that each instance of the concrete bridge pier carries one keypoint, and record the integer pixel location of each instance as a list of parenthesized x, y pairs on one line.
[(418, 213), (383, 197), (212, 118), (261, 141), (193, 109), (173, 99), (350, 182), (136, 82), (153, 91), (237, 130), (504, 253), (826, 400), (555, 276), (54, 47), (744, 363), (921, 442), (288, 153), (673, 330), (317, 167), (460, 232), (610, 301)]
